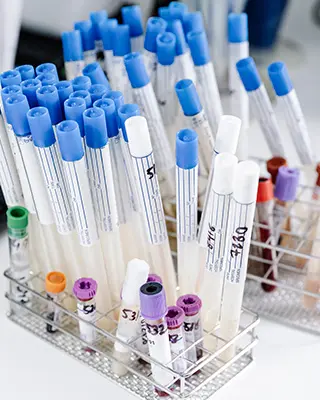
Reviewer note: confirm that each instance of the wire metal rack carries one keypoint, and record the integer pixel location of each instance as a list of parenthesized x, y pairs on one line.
[(199, 381)]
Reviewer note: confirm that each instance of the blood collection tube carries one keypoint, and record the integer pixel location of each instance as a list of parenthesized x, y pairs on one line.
[(191, 305), (273, 166), (175, 318), (85, 290), (55, 285)]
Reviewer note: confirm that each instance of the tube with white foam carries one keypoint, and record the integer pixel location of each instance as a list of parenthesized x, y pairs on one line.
[(72, 54)]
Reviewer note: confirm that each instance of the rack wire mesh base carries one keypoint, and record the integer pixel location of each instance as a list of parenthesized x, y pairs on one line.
[(198, 382)]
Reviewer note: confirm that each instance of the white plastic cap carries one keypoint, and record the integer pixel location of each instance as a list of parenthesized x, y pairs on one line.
[(136, 275), (246, 182), (138, 136), (228, 134), (223, 174)]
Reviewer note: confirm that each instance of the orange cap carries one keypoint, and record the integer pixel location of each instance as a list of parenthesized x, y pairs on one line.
[(273, 166), (265, 190), (318, 172), (55, 282)]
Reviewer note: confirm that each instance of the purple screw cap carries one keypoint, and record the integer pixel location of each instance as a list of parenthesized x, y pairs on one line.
[(190, 303), (287, 184), (153, 301), (175, 317), (154, 278), (85, 288)]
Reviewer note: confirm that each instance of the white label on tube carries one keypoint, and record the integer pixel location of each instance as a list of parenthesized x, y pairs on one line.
[(73, 69), (35, 179), (263, 111), (120, 79), (89, 57), (128, 326), (78, 184), (239, 237), (146, 100), (216, 237), (142, 344), (159, 349), (127, 159), (87, 311), (150, 62), (177, 345), (165, 93), (150, 198), (184, 67), (190, 325), (187, 202), (52, 171)]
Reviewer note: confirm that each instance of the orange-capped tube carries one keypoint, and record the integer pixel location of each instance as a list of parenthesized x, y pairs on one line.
[(273, 166), (55, 285)]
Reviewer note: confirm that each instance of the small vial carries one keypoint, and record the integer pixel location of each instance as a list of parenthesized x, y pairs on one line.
[(55, 285), (17, 220), (175, 318), (85, 290), (191, 305)]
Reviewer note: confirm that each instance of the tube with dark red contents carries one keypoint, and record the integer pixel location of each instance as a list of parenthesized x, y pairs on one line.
[(175, 318), (191, 305), (273, 166)]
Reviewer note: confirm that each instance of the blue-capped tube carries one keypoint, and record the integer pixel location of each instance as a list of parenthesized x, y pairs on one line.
[(88, 40), (144, 96), (118, 99), (64, 88), (177, 9), (206, 79), (297, 126), (47, 67), (48, 97), (81, 83), (261, 105), (29, 88), (74, 107), (106, 30), (124, 112), (83, 94), (72, 54), (26, 71), (132, 16), (96, 74), (47, 78), (192, 21), (97, 18), (10, 77), (186, 192), (97, 91)]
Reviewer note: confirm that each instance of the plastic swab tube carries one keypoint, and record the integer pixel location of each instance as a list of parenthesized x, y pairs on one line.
[(29, 89), (72, 54), (132, 16), (72, 154), (97, 18), (47, 68), (96, 75), (103, 195), (192, 21), (26, 71), (87, 39), (97, 91), (177, 9), (261, 105), (47, 78), (48, 97), (287, 96), (81, 83), (82, 94), (64, 90), (239, 100), (187, 205), (242, 209), (150, 202), (128, 324), (214, 271), (106, 29)]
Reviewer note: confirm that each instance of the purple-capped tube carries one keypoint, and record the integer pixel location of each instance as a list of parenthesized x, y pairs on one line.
[(175, 319)]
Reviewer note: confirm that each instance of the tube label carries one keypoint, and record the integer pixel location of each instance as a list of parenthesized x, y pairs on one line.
[(191, 325), (87, 311), (128, 326), (177, 345)]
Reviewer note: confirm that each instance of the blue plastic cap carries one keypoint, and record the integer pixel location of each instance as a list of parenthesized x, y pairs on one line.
[(165, 13), (16, 107), (280, 78), (97, 91), (29, 89), (64, 88), (47, 79), (95, 128), (26, 71), (187, 149), (96, 75), (237, 28), (136, 70), (117, 97), (109, 108), (87, 35), (83, 94), (132, 16), (9, 91), (106, 31), (249, 74), (188, 97), (175, 27), (166, 48), (48, 97), (192, 21), (70, 141), (121, 40), (177, 9), (72, 46), (41, 127), (97, 17), (81, 83), (199, 47), (124, 112), (74, 109), (47, 67), (11, 77), (155, 25)]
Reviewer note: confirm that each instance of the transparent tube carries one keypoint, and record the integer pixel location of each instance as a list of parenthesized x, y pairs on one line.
[(185, 68), (73, 69), (120, 79), (53, 312), (90, 56), (151, 63), (137, 43), (108, 55)]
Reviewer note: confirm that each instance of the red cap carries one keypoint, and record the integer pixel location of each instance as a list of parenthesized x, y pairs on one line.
[(265, 190), (273, 166), (318, 172)]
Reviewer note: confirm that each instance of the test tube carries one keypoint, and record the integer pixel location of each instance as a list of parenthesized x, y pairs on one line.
[(175, 319), (64, 90), (47, 68), (47, 78), (87, 39), (132, 16), (97, 91), (17, 220), (55, 285), (97, 18), (81, 83), (48, 97), (106, 29), (128, 324), (193, 332), (273, 166), (29, 89), (72, 54), (96, 74), (26, 71), (85, 290), (242, 209), (153, 310)]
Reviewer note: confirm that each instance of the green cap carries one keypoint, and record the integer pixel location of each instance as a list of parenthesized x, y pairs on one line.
[(17, 217)]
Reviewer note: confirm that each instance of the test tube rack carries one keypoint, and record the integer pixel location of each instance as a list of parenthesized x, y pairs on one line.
[(198, 382)]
